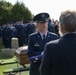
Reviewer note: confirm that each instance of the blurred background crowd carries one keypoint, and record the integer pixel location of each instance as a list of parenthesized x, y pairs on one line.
[(21, 30)]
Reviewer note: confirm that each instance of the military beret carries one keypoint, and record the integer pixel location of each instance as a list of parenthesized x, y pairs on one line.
[(41, 17)]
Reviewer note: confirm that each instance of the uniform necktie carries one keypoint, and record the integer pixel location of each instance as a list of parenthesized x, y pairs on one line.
[(44, 39)]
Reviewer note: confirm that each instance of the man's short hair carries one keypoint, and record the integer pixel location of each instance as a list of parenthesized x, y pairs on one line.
[(68, 20)]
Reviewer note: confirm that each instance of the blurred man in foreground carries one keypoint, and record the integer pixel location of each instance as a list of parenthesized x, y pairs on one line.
[(59, 56)]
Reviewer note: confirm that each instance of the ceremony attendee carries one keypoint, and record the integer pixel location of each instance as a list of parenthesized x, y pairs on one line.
[(3, 34), (37, 40), (21, 33), (59, 56), (56, 27), (30, 28), (51, 26), (8, 32)]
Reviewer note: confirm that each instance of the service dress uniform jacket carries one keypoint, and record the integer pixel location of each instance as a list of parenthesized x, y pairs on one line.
[(21, 33), (60, 56), (30, 28), (3, 33), (10, 33), (36, 47)]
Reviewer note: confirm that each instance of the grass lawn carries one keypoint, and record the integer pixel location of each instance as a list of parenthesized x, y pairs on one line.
[(9, 66)]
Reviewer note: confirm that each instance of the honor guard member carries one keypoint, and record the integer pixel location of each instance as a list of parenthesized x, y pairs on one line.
[(30, 28), (16, 23), (3, 30), (21, 33), (10, 33), (37, 40)]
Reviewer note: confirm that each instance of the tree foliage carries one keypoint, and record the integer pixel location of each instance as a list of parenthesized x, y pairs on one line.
[(9, 12), (5, 8)]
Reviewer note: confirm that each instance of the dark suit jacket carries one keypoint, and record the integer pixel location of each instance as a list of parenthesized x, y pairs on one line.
[(60, 56)]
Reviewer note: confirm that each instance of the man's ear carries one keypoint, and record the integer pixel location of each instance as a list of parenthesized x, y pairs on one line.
[(61, 29)]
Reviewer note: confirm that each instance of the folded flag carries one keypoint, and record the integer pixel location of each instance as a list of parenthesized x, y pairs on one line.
[(35, 58)]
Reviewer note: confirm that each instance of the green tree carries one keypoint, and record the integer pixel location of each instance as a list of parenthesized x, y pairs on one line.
[(9, 12), (5, 15), (20, 11)]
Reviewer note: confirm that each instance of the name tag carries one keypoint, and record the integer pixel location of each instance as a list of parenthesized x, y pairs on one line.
[(36, 44)]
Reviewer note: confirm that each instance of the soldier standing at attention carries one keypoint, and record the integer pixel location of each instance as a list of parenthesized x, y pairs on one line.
[(30, 28), (37, 40), (10, 32), (21, 33)]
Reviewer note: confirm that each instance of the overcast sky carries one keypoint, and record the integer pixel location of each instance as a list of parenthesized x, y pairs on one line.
[(53, 7)]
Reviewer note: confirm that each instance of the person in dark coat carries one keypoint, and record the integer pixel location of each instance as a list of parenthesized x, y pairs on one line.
[(3, 33), (56, 27), (21, 33), (30, 28), (8, 32), (37, 40), (51, 26), (59, 56)]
